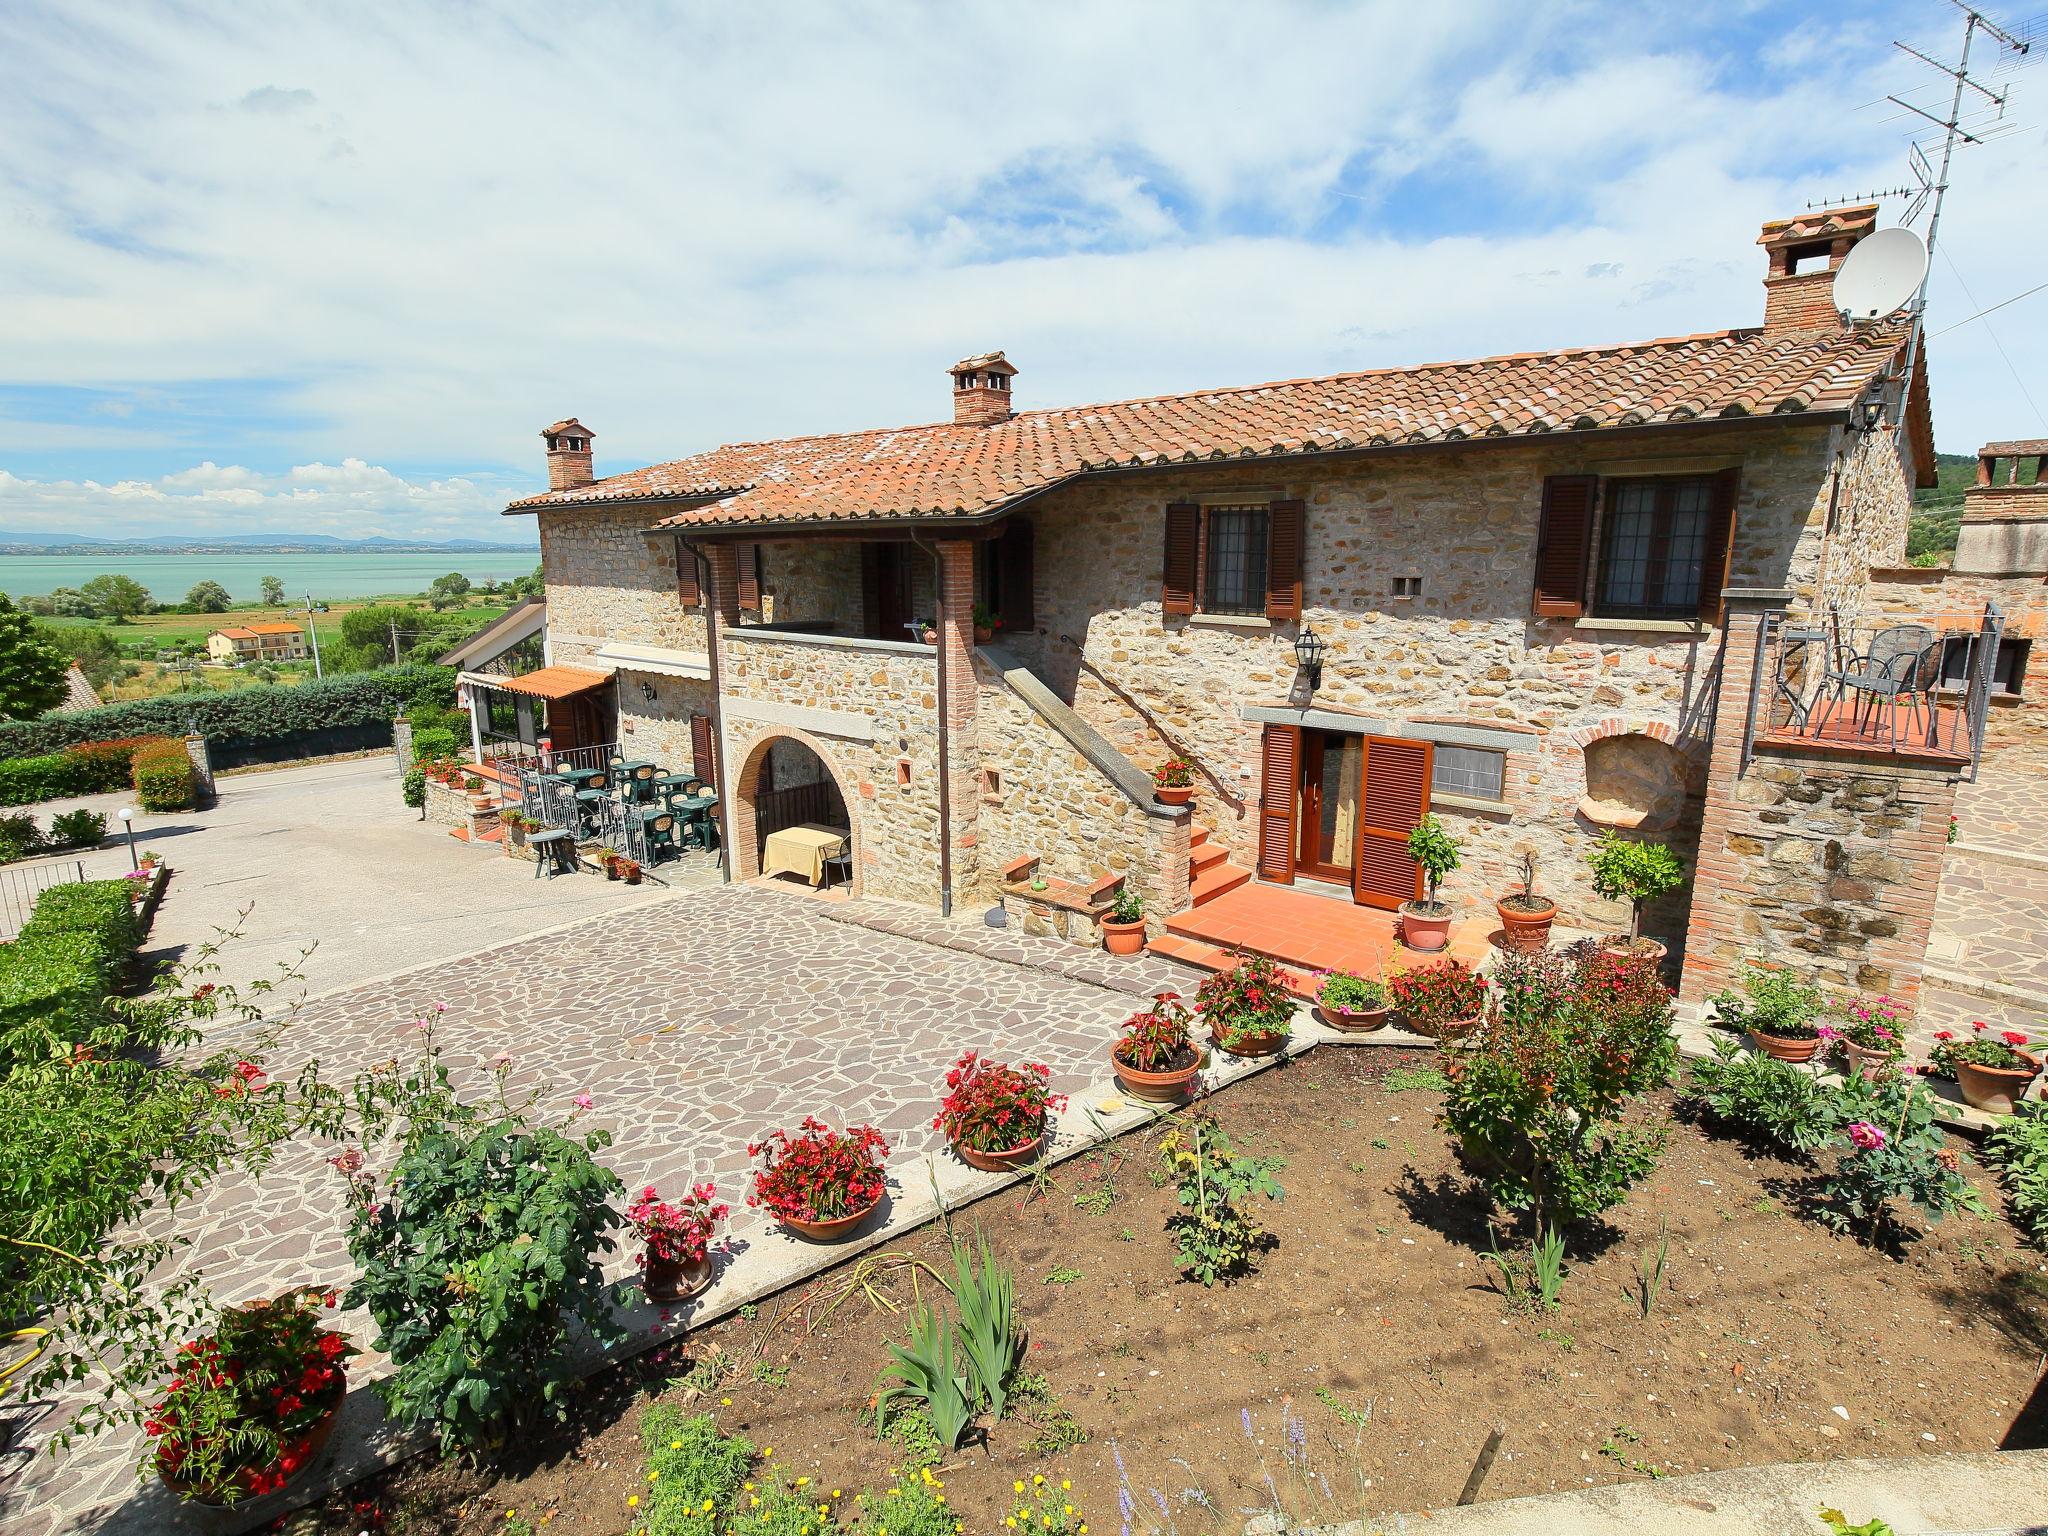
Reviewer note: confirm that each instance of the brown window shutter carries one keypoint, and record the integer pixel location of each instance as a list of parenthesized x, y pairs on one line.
[(747, 557), (1719, 550), (1183, 536), (871, 592), (1392, 800), (1278, 789), (703, 756), (1564, 542), (1283, 560), (687, 592), (1015, 576)]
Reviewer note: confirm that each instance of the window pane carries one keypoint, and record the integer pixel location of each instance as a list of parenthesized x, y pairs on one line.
[(1631, 529), (1686, 552), (1474, 771), (1237, 560)]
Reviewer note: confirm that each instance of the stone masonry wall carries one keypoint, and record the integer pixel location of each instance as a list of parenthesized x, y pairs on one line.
[(659, 728), (607, 582), (812, 580)]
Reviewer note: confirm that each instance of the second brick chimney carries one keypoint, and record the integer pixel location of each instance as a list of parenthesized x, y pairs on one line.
[(981, 388), (1804, 253), (568, 454)]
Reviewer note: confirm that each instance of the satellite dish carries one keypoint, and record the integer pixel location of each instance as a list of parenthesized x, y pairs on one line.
[(1881, 274)]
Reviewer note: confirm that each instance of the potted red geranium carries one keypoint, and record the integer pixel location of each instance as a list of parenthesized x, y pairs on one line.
[(1154, 1059), (819, 1183), (676, 1240), (1445, 1001), (251, 1405), (1994, 1073), (994, 1113), (1249, 1008), (1173, 781)]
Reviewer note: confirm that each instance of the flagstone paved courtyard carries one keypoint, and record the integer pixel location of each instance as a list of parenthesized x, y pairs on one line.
[(693, 1024)]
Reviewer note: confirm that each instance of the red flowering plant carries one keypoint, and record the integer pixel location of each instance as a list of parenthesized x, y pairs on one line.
[(819, 1174), (2000, 1052), (1433, 996), (991, 1106), (1175, 773), (1247, 1002), (239, 1416), (677, 1232), (1156, 1039)]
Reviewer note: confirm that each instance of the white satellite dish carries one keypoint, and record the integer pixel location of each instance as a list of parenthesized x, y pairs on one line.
[(1881, 274)]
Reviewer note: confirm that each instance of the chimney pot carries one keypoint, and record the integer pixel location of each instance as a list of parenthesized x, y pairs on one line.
[(1802, 303), (981, 389), (569, 454)]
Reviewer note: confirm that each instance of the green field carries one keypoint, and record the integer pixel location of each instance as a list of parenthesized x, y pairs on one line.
[(169, 629), (1931, 540)]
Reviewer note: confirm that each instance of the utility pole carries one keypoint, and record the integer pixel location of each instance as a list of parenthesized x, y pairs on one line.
[(394, 640), (313, 628)]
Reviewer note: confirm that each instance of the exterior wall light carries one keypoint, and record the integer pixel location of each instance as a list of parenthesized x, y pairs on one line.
[(1309, 650)]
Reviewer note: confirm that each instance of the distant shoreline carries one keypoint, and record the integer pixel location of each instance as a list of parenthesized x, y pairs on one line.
[(328, 575), (296, 551)]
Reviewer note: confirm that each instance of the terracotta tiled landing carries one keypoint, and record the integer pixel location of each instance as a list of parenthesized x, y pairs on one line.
[(1305, 933)]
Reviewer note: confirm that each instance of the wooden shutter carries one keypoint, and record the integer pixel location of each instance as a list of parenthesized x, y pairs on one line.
[(1283, 560), (1392, 800), (747, 558), (871, 592), (1277, 791), (1564, 543), (703, 751), (1183, 541), (1719, 549), (687, 592), (1015, 577)]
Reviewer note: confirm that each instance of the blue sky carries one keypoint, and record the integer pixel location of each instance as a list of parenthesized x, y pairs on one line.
[(330, 270)]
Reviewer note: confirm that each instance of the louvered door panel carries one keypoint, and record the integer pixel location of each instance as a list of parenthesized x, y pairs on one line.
[(1392, 801), (1278, 790)]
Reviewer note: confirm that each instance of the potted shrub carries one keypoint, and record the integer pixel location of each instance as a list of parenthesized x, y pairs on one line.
[(1444, 1001), (819, 1183), (1173, 781), (1776, 1009), (251, 1405), (1123, 925), (927, 631), (675, 1253), (1525, 917), (516, 826), (1870, 1042), (1155, 1059), (1426, 924), (1351, 1002), (986, 623), (994, 1114), (608, 859), (1248, 1008), (629, 870), (1994, 1073), (1636, 873)]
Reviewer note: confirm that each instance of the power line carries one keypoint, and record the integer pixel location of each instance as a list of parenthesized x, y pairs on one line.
[(1993, 332), (1994, 308)]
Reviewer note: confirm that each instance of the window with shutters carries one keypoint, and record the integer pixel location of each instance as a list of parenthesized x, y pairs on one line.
[(1234, 570), (1653, 548)]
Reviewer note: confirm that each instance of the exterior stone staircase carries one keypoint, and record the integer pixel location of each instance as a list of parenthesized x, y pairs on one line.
[(1210, 872)]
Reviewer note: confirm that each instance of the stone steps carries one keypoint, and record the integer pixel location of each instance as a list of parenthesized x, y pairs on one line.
[(1214, 881)]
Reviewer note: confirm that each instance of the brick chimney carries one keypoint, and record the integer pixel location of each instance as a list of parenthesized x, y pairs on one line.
[(1804, 253), (568, 454), (981, 389)]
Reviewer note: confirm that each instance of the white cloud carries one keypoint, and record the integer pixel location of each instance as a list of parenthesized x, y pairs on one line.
[(444, 227)]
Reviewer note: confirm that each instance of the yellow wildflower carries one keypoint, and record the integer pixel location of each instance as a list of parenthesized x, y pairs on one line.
[(837, 1494), (675, 1445), (748, 1486), (754, 1502), (1066, 1482), (1068, 1510), (707, 1506), (802, 1481), (1018, 1486), (633, 1501), (1010, 1521), (725, 1402), (1037, 1477)]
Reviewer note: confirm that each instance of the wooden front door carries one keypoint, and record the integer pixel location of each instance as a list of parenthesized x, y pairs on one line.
[(1392, 801), (885, 582), (1331, 763)]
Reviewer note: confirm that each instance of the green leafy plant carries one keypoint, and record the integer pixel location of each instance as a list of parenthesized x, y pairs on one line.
[(1547, 1265), (985, 1294), (1534, 1280), (1637, 873), (1439, 854), (925, 1374), (1156, 1039), (1771, 1101), (2017, 1146), (1650, 1271), (1127, 906), (950, 1371), (1349, 992), (1980, 1049), (165, 779), (19, 837), (1248, 1001), (1062, 1274), (1772, 1000), (413, 787), (78, 828), (1214, 1233), (689, 1463), (1891, 1151), (1838, 1523)]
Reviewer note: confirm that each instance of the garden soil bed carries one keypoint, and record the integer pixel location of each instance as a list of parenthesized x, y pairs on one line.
[(1361, 1369)]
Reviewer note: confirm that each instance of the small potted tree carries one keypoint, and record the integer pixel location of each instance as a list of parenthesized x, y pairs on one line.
[(1637, 873), (1994, 1074), (994, 1114), (1249, 1009), (675, 1237), (819, 1183), (1156, 1058), (1123, 925), (1173, 781), (1353, 1003), (1426, 924), (1525, 917)]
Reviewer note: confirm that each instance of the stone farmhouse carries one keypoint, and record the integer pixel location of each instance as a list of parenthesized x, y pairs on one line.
[(1544, 587)]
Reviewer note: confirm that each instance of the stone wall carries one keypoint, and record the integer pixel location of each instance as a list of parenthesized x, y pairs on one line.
[(813, 581), (1947, 600), (659, 728), (606, 581), (1870, 511)]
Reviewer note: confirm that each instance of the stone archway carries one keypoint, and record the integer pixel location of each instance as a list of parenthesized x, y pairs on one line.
[(753, 807)]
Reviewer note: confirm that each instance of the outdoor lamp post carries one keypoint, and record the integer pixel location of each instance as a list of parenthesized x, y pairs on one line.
[(127, 815), (1870, 414), (1309, 649)]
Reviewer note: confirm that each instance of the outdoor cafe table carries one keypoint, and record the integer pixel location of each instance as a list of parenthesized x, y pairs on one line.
[(802, 851), (576, 778)]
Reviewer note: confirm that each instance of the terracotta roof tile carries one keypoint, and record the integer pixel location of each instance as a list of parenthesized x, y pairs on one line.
[(962, 469)]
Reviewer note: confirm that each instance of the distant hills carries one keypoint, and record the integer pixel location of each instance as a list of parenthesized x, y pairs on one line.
[(245, 543)]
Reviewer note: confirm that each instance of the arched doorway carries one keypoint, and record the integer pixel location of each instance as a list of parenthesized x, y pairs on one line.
[(789, 781)]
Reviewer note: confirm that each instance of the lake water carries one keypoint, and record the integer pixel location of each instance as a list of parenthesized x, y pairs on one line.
[(327, 577)]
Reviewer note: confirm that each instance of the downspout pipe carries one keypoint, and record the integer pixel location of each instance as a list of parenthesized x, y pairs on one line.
[(696, 556), (945, 745)]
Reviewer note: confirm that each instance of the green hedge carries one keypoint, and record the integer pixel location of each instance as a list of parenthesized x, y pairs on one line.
[(68, 959), (165, 779), (354, 699), (94, 768)]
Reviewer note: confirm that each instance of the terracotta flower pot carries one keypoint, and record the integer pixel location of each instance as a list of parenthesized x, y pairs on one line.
[(1167, 1087), (1123, 938), (1252, 1045), (1005, 1161), (1173, 794), (1526, 930), (1785, 1049), (1449, 1029), (1996, 1090), (830, 1231), (1867, 1064), (262, 1506), (1352, 1022), (983, 634), (673, 1279), (1421, 930), (1621, 946)]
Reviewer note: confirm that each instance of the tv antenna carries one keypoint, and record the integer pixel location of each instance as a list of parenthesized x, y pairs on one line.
[(1934, 180)]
